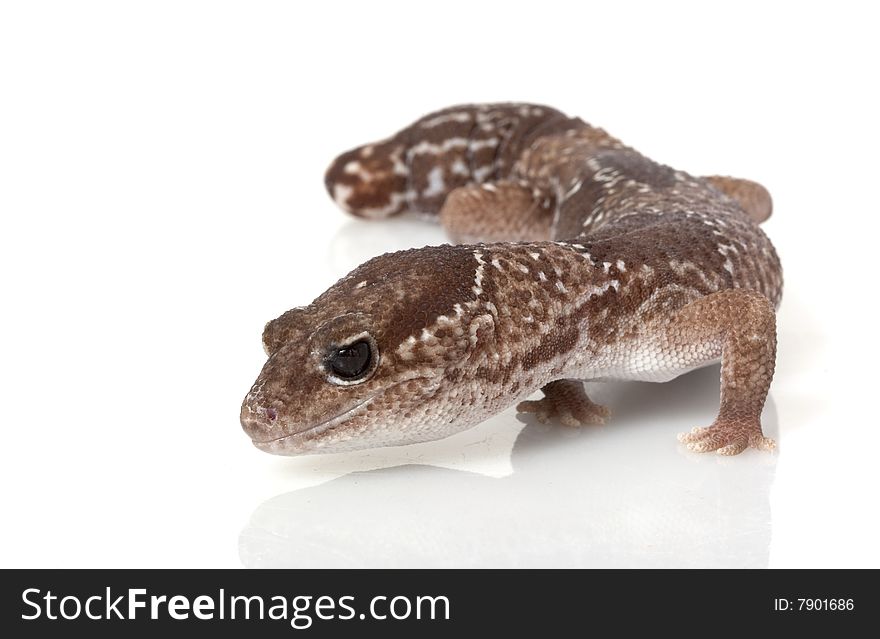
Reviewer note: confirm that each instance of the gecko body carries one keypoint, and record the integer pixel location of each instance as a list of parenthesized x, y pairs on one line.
[(581, 260)]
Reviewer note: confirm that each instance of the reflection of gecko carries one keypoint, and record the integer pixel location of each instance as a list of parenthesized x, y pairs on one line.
[(603, 265)]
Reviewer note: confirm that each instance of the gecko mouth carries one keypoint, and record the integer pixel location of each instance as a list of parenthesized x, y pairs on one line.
[(314, 431), (294, 443)]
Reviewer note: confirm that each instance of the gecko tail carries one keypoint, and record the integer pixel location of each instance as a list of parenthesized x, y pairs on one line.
[(754, 199), (370, 181), (418, 167)]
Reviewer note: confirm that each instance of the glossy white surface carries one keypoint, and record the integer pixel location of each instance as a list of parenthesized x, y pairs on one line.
[(162, 198)]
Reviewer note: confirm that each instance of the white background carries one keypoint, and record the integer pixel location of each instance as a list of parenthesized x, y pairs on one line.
[(161, 196)]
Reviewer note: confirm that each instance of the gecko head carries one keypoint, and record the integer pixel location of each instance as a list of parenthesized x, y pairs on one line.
[(367, 364), (370, 181)]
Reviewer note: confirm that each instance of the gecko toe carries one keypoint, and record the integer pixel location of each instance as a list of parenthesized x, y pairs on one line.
[(567, 419), (571, 411), (727, 437), (541, 412), (733, 449), (694, 435), (762, 443)]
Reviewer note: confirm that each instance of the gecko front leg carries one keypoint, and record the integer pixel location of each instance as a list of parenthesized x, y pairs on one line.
[(742, 324), (754, 199), (567, 401)]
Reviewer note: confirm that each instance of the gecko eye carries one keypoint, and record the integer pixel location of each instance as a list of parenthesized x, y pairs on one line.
[(351, 362)]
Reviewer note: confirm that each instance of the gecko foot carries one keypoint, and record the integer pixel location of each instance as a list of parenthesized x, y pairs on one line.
[(567, 401), (727, 437)]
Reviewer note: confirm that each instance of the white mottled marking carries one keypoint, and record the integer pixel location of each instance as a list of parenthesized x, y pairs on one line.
[(353, 168), (458, 116), (526, 110), (436, 185), (482, 172), (428, 147), (488, 143), (478, 274), (574, 189), (341, 193), (459, 168), (724, 249), (405, 350)]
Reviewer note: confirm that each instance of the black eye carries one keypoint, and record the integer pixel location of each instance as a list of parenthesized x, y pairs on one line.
[(352, 361)]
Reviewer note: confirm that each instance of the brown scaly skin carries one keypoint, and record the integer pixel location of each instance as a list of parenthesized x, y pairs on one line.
[(604, 265)]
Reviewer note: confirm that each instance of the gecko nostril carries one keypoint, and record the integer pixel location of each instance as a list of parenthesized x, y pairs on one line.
[(271, 414)]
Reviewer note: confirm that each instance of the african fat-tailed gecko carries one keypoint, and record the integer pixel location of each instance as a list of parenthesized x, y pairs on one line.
[(602, 264)]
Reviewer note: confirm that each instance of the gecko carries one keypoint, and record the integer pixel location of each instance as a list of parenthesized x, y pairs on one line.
[(574, 258)]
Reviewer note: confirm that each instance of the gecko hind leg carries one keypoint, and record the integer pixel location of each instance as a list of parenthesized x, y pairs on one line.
[(496, 212), (567, 401), (751, 196), (743, 324)]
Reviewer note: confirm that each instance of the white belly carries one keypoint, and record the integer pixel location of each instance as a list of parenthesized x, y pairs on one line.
[(650, 362)]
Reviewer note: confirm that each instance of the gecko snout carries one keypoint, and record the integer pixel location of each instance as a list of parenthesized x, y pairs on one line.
[(260, 422)]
